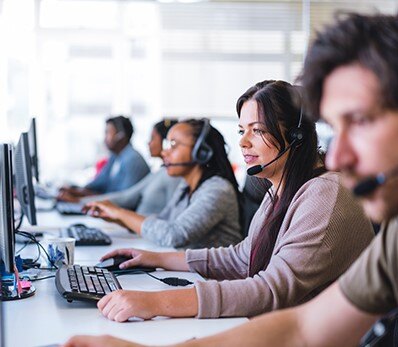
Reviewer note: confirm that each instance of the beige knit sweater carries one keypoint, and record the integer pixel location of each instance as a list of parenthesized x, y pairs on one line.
[(323, 232)]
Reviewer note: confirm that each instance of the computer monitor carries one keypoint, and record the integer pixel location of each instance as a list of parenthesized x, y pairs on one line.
[(23, 179), (9, 291), (6, 209), (32, 135)]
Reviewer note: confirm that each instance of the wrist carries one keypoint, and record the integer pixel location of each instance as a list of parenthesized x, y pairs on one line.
[(176, 303), (158, 259)]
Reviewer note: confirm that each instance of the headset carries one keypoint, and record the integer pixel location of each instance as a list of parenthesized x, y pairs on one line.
[(295, 138), (370, 184), (121, 133), (202, 152), (296, 135)]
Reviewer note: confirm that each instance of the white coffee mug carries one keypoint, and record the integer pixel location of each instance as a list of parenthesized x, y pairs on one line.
[(60, 250)]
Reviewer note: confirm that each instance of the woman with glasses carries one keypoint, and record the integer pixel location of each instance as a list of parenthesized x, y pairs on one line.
[(204, 210)]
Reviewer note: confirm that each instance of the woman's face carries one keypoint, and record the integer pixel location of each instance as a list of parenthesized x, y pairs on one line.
[(155, 144), (256, 144), (177, 157)]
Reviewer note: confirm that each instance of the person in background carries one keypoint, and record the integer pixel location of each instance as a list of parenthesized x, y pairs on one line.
[(124, 168), (151, 194), (307, 231), (350, 77), (204, 210)]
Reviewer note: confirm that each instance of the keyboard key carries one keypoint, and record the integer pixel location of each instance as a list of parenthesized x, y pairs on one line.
[(86, 236), (85, 283)]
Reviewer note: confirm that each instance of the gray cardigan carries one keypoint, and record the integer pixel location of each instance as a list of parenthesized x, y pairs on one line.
[(148, 196), (209, 217), (323, 232)]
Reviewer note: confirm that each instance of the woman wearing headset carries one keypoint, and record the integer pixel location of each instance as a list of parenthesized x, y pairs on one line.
[(204, 210), (307, 231)]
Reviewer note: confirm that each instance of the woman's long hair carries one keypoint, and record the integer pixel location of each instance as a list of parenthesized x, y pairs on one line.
[(279, 109), (219, 164)]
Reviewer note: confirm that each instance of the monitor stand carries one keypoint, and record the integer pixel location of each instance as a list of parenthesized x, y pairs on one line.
[(7, 295)]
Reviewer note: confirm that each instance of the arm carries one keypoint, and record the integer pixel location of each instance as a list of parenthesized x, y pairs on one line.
[(123, 304), (128, 198), (222, 263), (110, 212), (311, 325), (314, 324), (174, 261)]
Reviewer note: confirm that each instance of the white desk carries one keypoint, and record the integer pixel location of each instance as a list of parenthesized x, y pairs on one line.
[(47, 318)]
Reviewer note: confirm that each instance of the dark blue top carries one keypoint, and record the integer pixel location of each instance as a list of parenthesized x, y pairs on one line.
[(120, 172)]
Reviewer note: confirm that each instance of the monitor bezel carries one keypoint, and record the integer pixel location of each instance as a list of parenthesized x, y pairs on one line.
[(7, 234), (24, 180)]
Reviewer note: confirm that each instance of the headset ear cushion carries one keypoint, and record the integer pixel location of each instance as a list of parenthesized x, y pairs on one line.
[(296, 136), (204, 154)]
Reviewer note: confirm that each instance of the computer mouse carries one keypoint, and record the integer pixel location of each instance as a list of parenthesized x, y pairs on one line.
[(112, 264)]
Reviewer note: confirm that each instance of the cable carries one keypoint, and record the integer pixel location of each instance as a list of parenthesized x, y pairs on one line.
[(42, 278), (19, 222), (171, 281), (39, 246)]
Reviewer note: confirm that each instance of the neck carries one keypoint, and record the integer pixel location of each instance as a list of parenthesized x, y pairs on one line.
[(276, 181), (193, 177), (119, 148)]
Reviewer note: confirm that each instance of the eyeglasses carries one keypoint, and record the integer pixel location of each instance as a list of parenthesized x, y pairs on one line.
[(172, 144)]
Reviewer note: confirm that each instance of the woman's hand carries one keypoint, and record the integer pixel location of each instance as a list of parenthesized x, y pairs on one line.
[(138, 257), (124, 304), (98, 341), (103, 209), (120, 305), (112, 213), (67, 196)]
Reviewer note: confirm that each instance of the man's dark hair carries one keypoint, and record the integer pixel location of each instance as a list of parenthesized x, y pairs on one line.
[(123, 125), (369, 40)]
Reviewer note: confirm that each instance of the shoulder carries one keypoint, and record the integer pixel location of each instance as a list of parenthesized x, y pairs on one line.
[(216, 183), (320, 194), (328, 180), (130, 152), (326, 186), (391, 236)]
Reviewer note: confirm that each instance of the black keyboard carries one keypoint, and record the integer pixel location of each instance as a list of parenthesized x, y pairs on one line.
[(86, 236), (77, 282), (70, 208)]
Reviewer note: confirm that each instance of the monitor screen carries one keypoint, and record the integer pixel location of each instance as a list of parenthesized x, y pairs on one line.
[(6, 208), (32, 135), (23, 179)]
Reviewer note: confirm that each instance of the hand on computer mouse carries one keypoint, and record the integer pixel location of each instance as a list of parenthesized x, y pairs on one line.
[(136, 257), (113, 263)]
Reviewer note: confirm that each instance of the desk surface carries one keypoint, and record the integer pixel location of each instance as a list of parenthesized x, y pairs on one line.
[(47, 318)]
